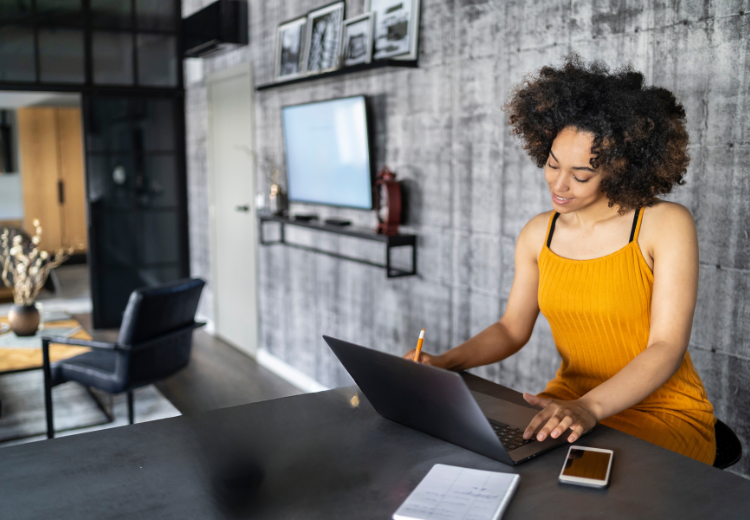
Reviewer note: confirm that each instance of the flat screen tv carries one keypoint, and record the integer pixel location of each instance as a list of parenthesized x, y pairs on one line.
[(328, 153)]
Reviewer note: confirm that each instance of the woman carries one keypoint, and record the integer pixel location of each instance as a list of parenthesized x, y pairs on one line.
[(612, 268)]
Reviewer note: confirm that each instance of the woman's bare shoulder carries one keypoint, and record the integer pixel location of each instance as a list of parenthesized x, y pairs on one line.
[(534, 232), (667, 217), (664, 222)]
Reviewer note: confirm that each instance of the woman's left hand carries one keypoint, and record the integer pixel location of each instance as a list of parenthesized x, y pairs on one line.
[(558, 416)]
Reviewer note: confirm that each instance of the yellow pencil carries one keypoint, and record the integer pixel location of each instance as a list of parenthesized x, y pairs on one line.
[(419, 345)]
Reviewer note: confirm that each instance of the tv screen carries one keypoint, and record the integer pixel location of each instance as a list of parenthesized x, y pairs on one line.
[(328, 153)]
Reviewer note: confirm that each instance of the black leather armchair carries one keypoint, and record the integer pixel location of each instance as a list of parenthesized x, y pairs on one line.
[(154, 342)]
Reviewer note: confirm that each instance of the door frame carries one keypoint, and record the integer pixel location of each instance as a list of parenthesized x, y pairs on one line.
[(238, 70)]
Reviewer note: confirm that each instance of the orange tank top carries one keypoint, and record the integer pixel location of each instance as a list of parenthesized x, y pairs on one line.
[(600, 314)]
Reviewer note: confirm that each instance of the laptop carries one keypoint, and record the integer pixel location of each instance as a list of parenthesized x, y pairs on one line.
[(438, 402)]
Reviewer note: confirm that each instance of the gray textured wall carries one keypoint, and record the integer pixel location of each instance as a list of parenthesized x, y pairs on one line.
[(471, 188)]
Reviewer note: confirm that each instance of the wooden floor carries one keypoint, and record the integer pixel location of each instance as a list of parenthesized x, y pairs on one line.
[(219, 376)]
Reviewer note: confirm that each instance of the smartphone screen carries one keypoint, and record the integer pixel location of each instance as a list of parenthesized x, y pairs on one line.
[(586, 464)]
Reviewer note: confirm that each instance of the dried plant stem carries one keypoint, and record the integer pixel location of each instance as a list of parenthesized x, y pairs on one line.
[(25, 267)]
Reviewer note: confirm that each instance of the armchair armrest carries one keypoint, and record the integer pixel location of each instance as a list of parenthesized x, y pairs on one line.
[(59, 340), (159, 339)]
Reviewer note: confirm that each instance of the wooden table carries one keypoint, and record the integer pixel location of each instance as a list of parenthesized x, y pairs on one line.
[(25, 358)]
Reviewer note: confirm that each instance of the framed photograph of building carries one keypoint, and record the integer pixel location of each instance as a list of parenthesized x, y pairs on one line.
[(356, 44), (290, 49), (324, 28), (396, 28)]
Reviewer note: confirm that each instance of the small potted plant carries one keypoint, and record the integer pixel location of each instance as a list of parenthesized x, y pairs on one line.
[(25, 269)]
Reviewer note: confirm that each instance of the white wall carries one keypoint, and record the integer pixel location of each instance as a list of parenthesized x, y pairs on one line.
[(11, 197)]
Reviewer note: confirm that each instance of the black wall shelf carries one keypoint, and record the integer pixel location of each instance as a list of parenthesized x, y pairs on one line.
[(362, 233), (354, 68)]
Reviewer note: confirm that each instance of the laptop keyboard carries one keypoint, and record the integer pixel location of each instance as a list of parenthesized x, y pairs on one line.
[(510, 436)]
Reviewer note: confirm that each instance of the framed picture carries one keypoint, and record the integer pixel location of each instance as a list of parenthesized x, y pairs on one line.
[(396, 28), (324, 28), (356, 45), (290, 49)]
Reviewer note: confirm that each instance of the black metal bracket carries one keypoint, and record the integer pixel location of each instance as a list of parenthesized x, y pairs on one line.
[(365, 234)]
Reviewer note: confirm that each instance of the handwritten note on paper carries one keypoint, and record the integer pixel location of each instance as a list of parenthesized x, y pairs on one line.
[(453, 493)]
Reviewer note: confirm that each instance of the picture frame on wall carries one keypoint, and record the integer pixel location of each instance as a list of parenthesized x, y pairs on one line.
[(290, 49), (324, 29), (396, 28), (356, 43)]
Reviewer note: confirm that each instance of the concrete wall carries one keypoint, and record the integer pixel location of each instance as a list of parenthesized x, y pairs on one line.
[(471, 188)]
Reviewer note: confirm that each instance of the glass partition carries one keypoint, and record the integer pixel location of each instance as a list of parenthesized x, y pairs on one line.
[(125, 57), (112, 54), (93, 42), (157, 60), (156, 15), (17, 54), (12, 10), (136, 195), (61, 55), (112, 14)]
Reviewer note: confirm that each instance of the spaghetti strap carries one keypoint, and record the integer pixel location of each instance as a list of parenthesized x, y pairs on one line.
[(637, 219), (551, 227)]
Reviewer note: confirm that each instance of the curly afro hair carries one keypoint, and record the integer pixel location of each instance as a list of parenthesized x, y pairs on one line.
[(640, 140)]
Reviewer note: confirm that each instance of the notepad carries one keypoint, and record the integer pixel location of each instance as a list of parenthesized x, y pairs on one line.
[(453, 493)]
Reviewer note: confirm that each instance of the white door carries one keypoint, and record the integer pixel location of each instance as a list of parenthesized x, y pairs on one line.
[(233, 222)]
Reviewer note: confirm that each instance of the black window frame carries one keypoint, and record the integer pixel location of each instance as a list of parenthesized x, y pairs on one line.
[(84, 22)]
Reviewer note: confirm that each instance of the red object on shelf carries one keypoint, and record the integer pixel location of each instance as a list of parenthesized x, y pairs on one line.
[(387, 202)]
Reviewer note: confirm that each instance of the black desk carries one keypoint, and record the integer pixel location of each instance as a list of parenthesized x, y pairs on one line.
[(316, 456)]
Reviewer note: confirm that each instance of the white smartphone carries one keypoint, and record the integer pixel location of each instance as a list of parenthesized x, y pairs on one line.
[(586, 466)]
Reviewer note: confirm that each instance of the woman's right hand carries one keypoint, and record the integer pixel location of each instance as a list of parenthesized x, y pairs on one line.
[(424, 357)]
